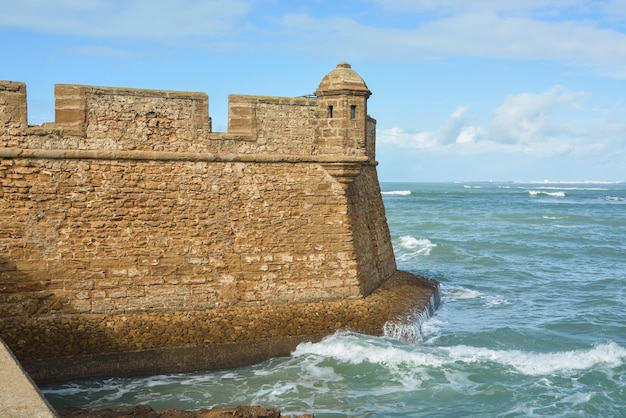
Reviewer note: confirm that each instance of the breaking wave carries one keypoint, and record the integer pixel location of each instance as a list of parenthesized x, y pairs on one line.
[(544, 193), (408, 247), (452, 293), (345, 347)]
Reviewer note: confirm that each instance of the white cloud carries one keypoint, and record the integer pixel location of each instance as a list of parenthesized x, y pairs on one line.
[(453, 126), (403, 139), (487, 35), (472, 32), (454, 131), (545, 125), (150, 19), (457, 130), (528, 117), (468, 135), (516, 29), (547, 9)]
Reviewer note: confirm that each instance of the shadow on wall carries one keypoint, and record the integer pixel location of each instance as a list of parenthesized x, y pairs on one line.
[(32, 322)]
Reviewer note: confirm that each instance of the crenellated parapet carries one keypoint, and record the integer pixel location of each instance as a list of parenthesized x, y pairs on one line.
[(122, 119)]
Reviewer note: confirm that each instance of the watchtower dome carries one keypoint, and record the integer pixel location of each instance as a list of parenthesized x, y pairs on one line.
[(343, 80), (342, 99)]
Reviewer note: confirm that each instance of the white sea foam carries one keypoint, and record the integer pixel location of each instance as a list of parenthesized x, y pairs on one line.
[(432, 329), (492, 301), (107, 389), (471, 187), (609, 355), (356, 350), (353, 349), (460, 293), (410, 329), (409, 247), (398, 192), (452, 293), (571, 182), (572, 188), (544, 193)]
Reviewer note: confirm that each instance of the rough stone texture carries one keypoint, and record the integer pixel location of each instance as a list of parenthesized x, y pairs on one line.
[(92, 236), (128, 225)]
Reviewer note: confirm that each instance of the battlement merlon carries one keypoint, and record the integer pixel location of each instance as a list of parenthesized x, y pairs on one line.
[(78, 107), (124, 119), (13, 110)]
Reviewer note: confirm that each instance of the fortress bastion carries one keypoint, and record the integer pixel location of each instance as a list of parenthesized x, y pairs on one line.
[(134, 239)]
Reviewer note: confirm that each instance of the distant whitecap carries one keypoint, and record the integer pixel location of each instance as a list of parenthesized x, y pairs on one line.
[(398, 192), (544, 193)]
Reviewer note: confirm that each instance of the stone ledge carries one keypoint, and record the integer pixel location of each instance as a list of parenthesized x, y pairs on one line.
[(92, 154)]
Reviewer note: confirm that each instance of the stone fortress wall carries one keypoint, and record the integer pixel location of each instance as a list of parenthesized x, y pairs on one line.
[(127, 225)]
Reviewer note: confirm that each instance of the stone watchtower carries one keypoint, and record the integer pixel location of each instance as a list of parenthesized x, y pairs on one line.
[(346, 130), (342, 99)]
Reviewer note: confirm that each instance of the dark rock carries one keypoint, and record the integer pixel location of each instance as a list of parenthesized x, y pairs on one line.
[(145, 411)]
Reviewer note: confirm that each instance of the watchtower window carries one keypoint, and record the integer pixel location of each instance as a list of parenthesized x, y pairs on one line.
[(330, 111), (353, 112)]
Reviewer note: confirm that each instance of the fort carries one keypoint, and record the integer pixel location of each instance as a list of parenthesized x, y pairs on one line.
[(134, 239)]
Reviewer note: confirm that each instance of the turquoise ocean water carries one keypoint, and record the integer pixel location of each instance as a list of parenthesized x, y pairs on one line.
[(532, 320)]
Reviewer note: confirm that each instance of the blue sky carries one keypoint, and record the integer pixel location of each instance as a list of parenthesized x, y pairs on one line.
[(462, 90)]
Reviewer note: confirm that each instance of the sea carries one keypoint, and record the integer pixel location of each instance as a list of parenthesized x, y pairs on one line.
[(532, 319)]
